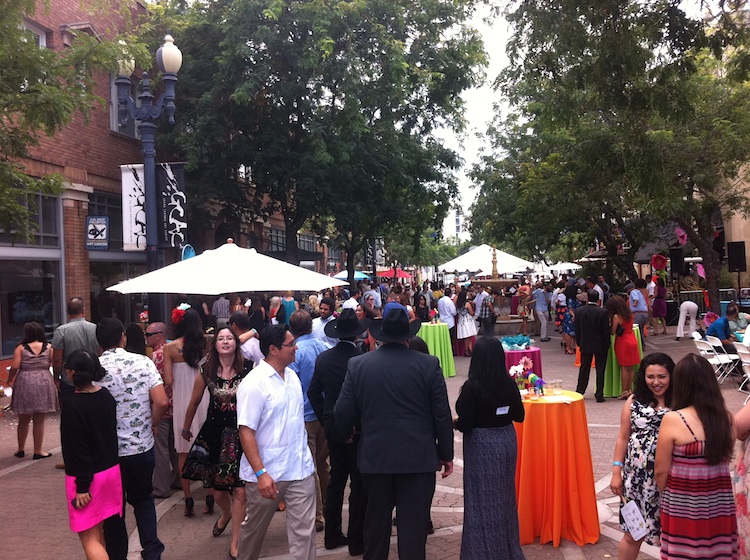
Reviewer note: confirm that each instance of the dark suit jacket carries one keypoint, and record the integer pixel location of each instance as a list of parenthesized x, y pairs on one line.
[(592, 329), (399, 398), (328, 377)]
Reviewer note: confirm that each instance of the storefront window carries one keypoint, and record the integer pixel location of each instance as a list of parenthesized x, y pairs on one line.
[(114, 304), (29, 291)]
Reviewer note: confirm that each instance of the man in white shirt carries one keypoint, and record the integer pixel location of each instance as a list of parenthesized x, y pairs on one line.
[(277, 463), (447, 311), (353, 300), (327, 306), (239, 324)]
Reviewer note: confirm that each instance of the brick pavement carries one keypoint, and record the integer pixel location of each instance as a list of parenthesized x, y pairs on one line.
[(35, 523)]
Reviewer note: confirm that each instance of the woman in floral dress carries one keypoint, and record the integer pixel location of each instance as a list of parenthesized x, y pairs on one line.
[(633, 466), (215, 456), (741, 480)]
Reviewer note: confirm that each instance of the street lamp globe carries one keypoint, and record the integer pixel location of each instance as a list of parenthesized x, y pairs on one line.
[(169, 57)]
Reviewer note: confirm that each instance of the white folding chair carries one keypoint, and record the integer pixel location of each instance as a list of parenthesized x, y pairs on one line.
[(746, 370), (744, 355), (728, 360), (720, 362), (696, 335), (741, 346)]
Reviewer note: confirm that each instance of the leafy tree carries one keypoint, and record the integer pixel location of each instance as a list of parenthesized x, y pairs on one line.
[(626, 121), (328, 109), (40, 92)]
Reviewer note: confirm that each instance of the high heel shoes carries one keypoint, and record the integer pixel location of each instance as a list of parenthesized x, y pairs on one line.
[(189, 505), (209, 509)]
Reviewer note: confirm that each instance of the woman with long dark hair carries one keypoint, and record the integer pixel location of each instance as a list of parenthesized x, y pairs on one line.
[(135, 339), (182, 359), (488, 405), (421, 309), (219, 435), (696, 442), (34, 392), (88, 433), (635, 449), (626, 344)]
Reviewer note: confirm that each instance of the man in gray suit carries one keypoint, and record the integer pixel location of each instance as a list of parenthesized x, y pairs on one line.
[(592, 337), (397, 397)]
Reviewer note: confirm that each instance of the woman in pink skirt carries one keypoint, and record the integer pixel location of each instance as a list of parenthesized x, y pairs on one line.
[(88, 430)]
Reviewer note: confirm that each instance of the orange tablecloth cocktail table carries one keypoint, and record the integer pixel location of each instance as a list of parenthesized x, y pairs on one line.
[(554, 475)]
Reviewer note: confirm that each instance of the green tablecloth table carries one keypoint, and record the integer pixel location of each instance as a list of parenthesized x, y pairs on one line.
[(612, 379), (438, 340)]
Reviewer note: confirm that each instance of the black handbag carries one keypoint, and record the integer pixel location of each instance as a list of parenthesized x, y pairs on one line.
[(619, 331)]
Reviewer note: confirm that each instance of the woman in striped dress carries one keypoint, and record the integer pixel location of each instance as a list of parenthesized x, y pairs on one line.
[(696, 441)]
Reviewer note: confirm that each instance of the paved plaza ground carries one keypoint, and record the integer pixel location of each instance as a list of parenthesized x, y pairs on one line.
[(35, 521)]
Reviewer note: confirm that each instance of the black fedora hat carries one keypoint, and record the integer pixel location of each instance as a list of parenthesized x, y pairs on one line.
[(395, 325), (347, 325)]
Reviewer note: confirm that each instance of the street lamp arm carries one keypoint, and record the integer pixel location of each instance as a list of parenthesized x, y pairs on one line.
[(148, 110)]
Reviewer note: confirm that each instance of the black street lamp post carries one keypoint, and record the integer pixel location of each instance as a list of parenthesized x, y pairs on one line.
[(169, 60)]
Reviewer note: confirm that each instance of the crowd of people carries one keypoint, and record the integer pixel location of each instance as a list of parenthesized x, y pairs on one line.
[(287, 399)]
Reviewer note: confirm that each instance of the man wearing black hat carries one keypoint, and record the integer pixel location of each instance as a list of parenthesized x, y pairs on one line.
[(399, 399), (330, 371)]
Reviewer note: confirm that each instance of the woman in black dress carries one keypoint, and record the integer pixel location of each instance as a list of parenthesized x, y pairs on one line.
[(219, 465), (488, 405)]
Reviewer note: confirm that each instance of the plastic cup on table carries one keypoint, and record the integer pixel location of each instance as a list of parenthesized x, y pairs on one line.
[(534, 392)]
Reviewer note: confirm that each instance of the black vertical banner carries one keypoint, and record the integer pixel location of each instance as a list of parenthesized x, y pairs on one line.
[(170, 188)]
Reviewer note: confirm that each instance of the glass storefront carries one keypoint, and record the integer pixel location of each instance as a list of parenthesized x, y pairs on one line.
[(29, 291), (114, 304)]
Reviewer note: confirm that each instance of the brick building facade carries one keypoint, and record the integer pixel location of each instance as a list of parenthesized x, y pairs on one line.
[(36, 279)]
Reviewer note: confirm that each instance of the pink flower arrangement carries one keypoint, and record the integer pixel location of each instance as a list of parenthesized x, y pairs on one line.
[(143, 316)]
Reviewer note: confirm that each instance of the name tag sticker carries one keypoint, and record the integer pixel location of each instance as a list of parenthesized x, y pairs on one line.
[(502, 410)]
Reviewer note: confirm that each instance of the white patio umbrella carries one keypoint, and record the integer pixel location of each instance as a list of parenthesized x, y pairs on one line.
[(481, 259), (564, 266), (225, 270)]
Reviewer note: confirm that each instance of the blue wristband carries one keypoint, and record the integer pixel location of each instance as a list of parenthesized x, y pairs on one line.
[(617, 464), (260, 472)]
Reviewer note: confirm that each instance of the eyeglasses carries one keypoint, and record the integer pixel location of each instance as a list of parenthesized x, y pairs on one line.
[(153, 333), (288, 344)]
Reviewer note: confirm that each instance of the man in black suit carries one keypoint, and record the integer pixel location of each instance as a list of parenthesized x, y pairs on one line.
[(398, 397), (592, 337), (328, 377)]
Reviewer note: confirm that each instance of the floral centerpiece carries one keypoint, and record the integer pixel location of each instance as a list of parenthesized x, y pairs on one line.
[(143, 316), (434, 316), (524, 374)]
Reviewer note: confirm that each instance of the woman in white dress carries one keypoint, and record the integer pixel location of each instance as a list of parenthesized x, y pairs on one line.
[(182, 358), (466, 325)]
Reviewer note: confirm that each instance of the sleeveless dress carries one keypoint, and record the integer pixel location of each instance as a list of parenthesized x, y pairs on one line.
[(659, 305), (34, 390), (466, 326), (626, 345), (182, 390), (741, 483), (218, 442), (639, 484), (698, 515)]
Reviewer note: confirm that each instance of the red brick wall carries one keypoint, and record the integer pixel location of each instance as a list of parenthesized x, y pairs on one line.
[(86, 152)]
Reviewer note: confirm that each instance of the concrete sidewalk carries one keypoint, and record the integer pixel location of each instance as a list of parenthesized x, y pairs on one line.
[(35, 520)]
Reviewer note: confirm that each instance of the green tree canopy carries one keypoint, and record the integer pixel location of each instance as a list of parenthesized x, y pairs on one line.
[(41, 90)]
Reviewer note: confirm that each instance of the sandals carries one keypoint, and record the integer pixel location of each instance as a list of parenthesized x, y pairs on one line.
[(624, 395), (218, 530), (209, 509), (189, 505)]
